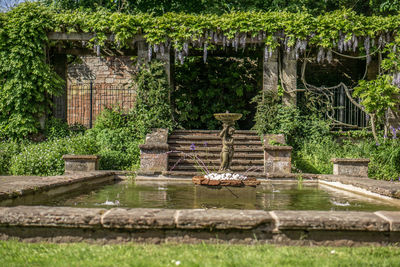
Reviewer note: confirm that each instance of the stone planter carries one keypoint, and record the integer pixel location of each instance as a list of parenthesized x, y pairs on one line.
[(350, 167), (81, 163), (277, 159), (153, 154)]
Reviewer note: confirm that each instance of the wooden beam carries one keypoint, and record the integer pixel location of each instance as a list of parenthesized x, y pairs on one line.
[(84, 36)]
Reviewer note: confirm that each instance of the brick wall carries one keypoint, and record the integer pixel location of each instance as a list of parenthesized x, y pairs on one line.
[(112, 86)]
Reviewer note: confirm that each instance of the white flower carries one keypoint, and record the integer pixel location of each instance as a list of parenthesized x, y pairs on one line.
[(177, 263), (333, 251)]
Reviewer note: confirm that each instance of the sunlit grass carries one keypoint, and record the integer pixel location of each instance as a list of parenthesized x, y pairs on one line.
[(79, 254)]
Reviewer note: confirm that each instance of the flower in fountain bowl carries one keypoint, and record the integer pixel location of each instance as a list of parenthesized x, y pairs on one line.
[(225, 179), (225, 176)]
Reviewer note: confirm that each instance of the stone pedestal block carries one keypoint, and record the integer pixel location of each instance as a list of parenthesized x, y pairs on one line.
[(269, 139), (81, 163), (153, 154), (350, 167), (277, 159)]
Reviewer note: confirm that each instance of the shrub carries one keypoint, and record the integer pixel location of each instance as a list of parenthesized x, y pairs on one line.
[(7, 150), (45, 158)]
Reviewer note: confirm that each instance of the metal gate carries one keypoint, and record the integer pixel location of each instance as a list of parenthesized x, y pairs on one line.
[(86, 101), (336, 106)]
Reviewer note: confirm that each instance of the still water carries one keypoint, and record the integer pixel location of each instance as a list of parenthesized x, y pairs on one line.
[(172, 195)]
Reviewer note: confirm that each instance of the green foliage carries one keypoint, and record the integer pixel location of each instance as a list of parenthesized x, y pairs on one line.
[(45, 158), (223, 6), (25, 77), (7, 151), (117, 142), (219, 85), (178, 28), (272, 117), (314, 156), (152, 107), (27, 82), (378, 95), (56, 128)]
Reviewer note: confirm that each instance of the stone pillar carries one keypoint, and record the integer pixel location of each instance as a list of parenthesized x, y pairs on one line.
[(289, 78), (169, 60), (143, 53), (270, 72), (59, 62), (153, 154), (373, 69), (277, 159)]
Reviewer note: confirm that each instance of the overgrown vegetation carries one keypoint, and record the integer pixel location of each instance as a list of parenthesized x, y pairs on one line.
[(314, 144), (115, 136), (223, 6), (28, 82), (220, 84)]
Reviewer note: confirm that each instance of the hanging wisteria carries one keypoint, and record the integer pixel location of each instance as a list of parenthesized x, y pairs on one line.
[(345, 42), (205, 53), (150, 52), (396, 79), (98, 50), (329, 57), (367, 43), (320, 55)]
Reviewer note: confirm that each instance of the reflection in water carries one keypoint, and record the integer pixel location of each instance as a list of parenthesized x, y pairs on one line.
[(269, 196)]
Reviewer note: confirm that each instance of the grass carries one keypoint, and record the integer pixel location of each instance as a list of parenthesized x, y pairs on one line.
[(14, 253)]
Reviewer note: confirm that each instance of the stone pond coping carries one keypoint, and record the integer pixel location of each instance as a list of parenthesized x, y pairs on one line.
[(15, 186), (65, 224), (68, 224)]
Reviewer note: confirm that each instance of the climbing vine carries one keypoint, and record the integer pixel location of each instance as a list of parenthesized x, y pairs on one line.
[(27, 81)]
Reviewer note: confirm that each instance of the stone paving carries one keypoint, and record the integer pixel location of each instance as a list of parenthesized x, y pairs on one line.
[(385, 188), (14, 186)]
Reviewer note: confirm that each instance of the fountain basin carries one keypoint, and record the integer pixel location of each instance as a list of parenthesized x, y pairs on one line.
[(227, 117)]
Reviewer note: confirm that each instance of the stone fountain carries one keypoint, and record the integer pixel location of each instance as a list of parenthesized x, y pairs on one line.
[(225, 176)]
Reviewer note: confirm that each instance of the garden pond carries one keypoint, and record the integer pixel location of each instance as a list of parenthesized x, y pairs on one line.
[(269, 195)]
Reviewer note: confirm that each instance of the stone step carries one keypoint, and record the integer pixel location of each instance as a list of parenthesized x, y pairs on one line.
[(190, 174), (215, 162), (202, 137), (215, 155), (215, 149), (239, 169), (191, 132), (209, 143)]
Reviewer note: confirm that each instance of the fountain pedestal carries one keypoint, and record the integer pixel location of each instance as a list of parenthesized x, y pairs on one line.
[(225, 177)]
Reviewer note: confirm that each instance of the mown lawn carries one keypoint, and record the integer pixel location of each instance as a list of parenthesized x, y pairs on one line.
[(79, 254)]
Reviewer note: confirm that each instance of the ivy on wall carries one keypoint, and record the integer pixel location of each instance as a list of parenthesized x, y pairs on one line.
[(27, 81)]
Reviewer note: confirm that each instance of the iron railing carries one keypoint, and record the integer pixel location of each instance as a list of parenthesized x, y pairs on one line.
[(86, 101)]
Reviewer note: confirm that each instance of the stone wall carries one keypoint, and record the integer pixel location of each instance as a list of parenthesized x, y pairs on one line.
[(108, 71), (112, 86)]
